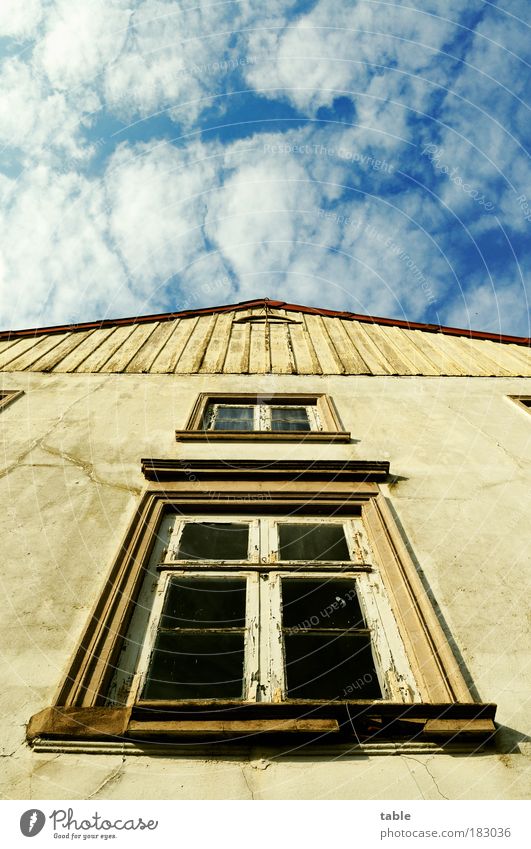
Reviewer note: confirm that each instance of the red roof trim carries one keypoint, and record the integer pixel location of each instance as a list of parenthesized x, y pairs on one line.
[(261, 302)]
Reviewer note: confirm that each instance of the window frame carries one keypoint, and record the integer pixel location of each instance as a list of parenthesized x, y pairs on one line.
[(522, 401), (321, 410), (446, 712), (7, 396), (264, 610)]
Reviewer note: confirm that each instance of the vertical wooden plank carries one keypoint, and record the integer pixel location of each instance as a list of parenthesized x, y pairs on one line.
[(104, 342), (19, 347), (237, 359), (258, 350), (68, 343), (466, 353), (437, 352), (418, 358), (326, 354), (168, 356), (366, 348), (218, 344), (195, 348), (389, 356), (351, 359), (43, 345), (515, 358), (409, 353), (281, 354), (146, 355), (123, 355), (306, 361)]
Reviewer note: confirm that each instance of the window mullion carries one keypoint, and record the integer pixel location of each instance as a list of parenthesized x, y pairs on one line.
[(273, 636), (149, 642), (252, 639)]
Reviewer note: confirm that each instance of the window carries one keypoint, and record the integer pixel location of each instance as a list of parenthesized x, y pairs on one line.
[(273, 417), (264, 610), (261, 600), (7, 396), (523, 401)]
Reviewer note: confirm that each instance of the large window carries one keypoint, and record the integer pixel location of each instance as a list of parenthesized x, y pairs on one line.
[(265, 610), (256, 599)]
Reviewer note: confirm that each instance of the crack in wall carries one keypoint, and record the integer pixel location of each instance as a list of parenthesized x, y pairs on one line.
[(425, 766), (114, 775), (86, 467)]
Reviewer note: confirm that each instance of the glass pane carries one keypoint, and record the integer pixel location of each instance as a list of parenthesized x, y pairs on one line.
[(320, 603), (204, 603), (214, 541), (289, 418), (234, 418), (312, 542), (196, 666), (322, 666)]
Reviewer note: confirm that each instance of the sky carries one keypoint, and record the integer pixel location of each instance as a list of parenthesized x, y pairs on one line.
[(358, 155)]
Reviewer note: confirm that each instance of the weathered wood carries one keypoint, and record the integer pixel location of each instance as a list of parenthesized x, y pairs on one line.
[(79, 722), (325, 351), (306, 361), (237, 359), (366, 348), (282, 361), (123, 355), (67, 344), (147, 354), (217, 346), (26, 360), (231, 727), (196, 346), (452, 727), (94, 347)]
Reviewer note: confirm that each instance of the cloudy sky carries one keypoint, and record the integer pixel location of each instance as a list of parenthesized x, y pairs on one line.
[(351, 154)]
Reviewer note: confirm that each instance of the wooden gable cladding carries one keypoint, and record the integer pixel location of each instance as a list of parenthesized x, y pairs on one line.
[(255, 340)]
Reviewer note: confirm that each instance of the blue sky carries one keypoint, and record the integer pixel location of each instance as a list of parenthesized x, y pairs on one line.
[(366, 156)]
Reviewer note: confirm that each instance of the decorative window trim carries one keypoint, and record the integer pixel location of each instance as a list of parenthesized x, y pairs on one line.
[(331, 428), (447, 711), (7, 396), (523, 401)]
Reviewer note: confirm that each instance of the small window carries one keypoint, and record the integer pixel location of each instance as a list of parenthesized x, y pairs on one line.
[(7, 396), (523, 401), (275, 418)]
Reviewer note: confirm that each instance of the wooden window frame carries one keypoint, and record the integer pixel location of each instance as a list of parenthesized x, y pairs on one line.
[(7, 396), (445, 713), (330, 426), (519, 399)]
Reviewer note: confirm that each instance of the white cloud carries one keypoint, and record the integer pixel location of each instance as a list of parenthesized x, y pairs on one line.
[(18, 19), (56, 264), (81, 39)]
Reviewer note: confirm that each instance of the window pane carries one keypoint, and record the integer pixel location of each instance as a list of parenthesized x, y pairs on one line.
[(204, 603), (320, 604), (214, 541), (234, 418), (320, 666), (196, 666), (312, 542), (289, 418)]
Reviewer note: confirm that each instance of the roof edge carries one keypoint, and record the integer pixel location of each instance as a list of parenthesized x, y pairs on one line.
[(263, 302)]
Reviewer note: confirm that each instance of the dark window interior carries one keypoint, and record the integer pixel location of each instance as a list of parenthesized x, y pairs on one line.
[(289, 418), (199, 649), (214, 541), (234, 418), (327, 648), (312, 542)]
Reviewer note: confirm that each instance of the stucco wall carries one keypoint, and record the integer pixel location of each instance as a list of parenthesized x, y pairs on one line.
[(70, 480)]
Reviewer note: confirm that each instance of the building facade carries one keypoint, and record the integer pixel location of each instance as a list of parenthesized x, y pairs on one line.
[(265, 551)]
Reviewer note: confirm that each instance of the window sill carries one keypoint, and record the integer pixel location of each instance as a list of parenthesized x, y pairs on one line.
[(262, 436), (364, 721)]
